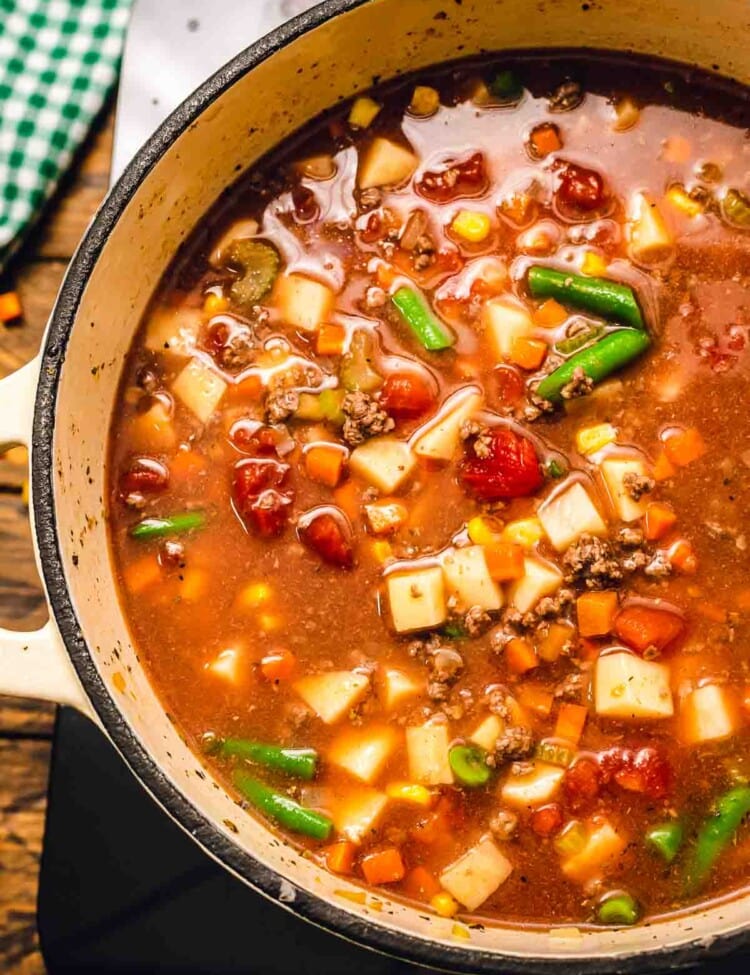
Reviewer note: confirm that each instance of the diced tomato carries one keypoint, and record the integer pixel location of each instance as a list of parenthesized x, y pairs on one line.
[(581, 783), (458, 178), (268, 513), (510, 385), (261, 506), (644, 770), (643, 626), (580, 188), (327, 532), (407, 394), (373, 229), (510, 468), (547, 820), (144, 475), (251, 437)]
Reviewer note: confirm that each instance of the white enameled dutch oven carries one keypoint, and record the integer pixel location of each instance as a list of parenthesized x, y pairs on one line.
[(61, 403)]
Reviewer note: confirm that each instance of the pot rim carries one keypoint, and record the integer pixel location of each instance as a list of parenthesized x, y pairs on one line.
[(311, 907)]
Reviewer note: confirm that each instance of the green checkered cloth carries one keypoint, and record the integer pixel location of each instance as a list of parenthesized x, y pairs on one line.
[(58, 62)]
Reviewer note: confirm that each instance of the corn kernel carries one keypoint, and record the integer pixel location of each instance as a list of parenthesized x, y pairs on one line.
[(418, 795), (481, 532), (363, 111), (214, 304), (472, 225), (255, 595), (681, 200), (593, 264), (424, 101), (526, 532), (444, 905), (382, 551), (591, 439)]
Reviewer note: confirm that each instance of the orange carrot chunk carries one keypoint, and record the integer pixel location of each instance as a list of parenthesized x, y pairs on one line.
[(383, 867), (682, 557), (420, 884), (550, 313), (536, 699), (278, 665), (324, 464), (339, 856), (520, 656), (330, 339), (528, 353), (659, 519), (663, 468), (642, 627), (10, 307), (684, 447), (544, 139), (596, 612), (504, 561), (571, 719)]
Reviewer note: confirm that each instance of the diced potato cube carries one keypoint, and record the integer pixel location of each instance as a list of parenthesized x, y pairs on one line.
[(357, 812), (439, 438), (488, 732), (384, 517), (364, 751), (383, 461), (395, 687), (477, 874), (708, 713), (569, 514), (539, 579), (506, 320), (525, 532), (333, 694), (417, 599), (385, 163), (651, 241), (302, 302), (626, 686), (614, 471), (226, 665), (199, 388), (534, 788), (427, 750), (363, 111), (173, 330), (603, 847), (469, 580)]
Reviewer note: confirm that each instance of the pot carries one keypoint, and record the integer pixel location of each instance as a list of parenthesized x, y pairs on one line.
[(61, 403)]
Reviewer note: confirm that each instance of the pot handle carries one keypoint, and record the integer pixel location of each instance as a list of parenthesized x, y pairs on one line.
[(33, 664)]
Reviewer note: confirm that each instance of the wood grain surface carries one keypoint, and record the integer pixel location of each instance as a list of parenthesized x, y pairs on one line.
[(26, 726)]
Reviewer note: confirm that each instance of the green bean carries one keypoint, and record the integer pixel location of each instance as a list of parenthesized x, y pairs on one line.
[(172, 525), (716, 833), (597, 361), (417, 315), (666, 839), (283, 810), (613, 301), (618, 908), (469, 765), (579, 340), (301, 763)]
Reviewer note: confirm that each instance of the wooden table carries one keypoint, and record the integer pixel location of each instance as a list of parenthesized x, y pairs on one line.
[(25, 726)]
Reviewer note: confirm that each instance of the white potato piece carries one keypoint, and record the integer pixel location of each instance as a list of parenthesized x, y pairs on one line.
[(417, 599), (384, 462), (709, 713), (628, 687), (385, 163), (477, 874), (173, 330), (539, 579), (568, 515), (651, 240), (333, 694), (427, 750), (488, 732), (357, 812), (226, 665), (438, 439), (603, 848), (505, 320), (200, 389), (468, 579), (614, 471), (534, 788), (396, 686), (303, 302), (364, 751)]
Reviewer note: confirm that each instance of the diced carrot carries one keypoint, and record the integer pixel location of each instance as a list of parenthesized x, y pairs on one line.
[(663, 468), (588, 648), (552, 643), (519, 209), (248, 390), (436, 826), (682, 557), (550, 313), (187, 464), (420, 884), (536, 699), (324, 464), (684, 447), (330, 339), (643, 626), (544, 139), (349, 498), (383, 867), (520, 656), (10, 307), (528, 353), (385, 275), (659, 519), (141, 574), (571, 719), (596, 612), (505, 561), (278, 665), (339, 856)]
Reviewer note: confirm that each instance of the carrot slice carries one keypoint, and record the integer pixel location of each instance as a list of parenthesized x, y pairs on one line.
[(278, 665), (659, 519), (383, 867), (339, 856), (550, 313), (324, 464), (571, 719), (684, 447), (504, 561), (663, 468), (420, 884), (330, 339), (642, 627), (596, 612), (528, 353), (520, 656), (141, 574), (544, 139), (536, 699)]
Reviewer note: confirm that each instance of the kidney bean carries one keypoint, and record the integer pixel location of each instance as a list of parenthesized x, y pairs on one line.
[(580, 189), (327, 532), (145, 475)]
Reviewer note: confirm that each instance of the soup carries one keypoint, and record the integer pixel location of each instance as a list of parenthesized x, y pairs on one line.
[(429, 480)]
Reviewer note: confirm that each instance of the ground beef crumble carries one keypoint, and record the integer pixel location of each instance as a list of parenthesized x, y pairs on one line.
[(580, 385), (514, 745), (592, 562), (638, 484), (445, 665), (364, 418), (281, 404)]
